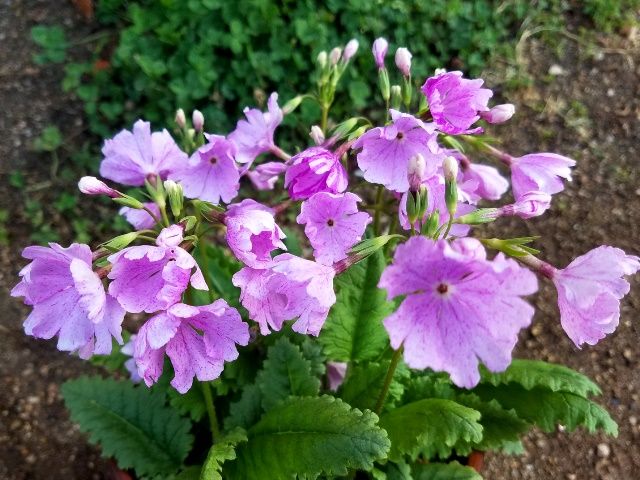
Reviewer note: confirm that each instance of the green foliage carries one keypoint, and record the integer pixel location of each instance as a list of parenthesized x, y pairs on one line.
[(444, 471), (246, 411), (429, 423), (354, 329), (49, 140), (223, 450), (130, 423), (191, 403), (609, 15), (308, 437), (53, 42), (220, 267), (364, 383)]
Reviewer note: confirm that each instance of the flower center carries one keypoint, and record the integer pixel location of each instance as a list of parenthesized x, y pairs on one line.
[(330, 222), (442, 288), (399, 136), (213, 160)]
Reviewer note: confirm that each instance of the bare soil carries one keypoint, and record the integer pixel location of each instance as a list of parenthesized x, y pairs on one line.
[(583, 103)]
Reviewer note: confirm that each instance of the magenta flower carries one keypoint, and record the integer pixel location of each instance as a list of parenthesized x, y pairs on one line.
[(252, 233), (265, 175), (314, 170), (539, 172), (211, 174), (332, 224), (68, 300), (386, 151), (291, 287), (455, 102), (197, 340), (132, 157), (379, 50), (140, 219), (254, 135), (590, 290), (149, 278), (459, 309)]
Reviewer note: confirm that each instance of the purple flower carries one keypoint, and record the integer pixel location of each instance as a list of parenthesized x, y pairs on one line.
[(459, 308), (211, 174), (332, 224), (455, 102), (265, 175), (131, 157), (254, 135), (486, 181), (531, 204), (386, 151), (291, 287), (379, 50), (314, 170), (93, 186), (140, 219), (499, 113), (539, 172), (336, 372), (150, 278), (252, 233), (198, 340), (590, 290), (403, 61), (68, 300)]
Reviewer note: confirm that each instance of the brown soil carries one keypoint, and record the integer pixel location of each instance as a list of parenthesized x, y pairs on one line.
[(591, 112)]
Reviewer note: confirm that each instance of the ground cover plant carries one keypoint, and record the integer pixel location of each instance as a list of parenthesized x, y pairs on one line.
[(404, 303)]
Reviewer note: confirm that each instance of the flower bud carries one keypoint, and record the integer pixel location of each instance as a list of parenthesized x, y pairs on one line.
[(322, 59), (198, 121), (383, 80), (120, 242), (93, 186), (188, 223), (181, 119), (499, 113), (380, 47), (450, 168), (334, 55), (430, 227), (439, 71), (317, 135), (396, 97), (531, 204), (292, 104), (403, 61), (415, 172), (413, 207), (176, 196), (130, 202), (477, 217), (350, 50), (344, 128)]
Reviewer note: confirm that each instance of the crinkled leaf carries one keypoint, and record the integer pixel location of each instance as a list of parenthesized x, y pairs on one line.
[(130, 423), (365, 381), (444, 471), (354, 330), (425, 424), (308, 437), (223, 450), (247, 410), (191, 403)]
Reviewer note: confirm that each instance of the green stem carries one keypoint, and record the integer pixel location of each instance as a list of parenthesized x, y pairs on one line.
[(325, 117), (153, 215), (387, 380), (211, 411), (378, 207), (165, 217), (449, 224)]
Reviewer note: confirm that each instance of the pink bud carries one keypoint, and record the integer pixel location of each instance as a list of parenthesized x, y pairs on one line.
[(416, 171), (93, 186), (499, 113), (180, 119), (380, 47), (403, 61), (450, 168), (334, 55), (316, 135), (531, 204), (350, 49), (198, 120)]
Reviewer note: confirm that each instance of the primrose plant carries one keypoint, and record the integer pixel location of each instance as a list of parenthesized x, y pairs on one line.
[(335, 312)]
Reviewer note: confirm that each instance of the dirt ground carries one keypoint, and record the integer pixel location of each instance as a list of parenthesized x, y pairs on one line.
[(582, 103)]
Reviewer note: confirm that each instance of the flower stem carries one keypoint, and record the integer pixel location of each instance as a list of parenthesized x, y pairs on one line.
[(325, 117), (378, 207), (211, 410), (153, 215), (387, 380), (449, 224)]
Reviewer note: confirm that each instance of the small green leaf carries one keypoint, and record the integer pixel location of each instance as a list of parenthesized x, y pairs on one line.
[(365, 381), (444, 471), (223, 450), (307, 437), (191, 403)]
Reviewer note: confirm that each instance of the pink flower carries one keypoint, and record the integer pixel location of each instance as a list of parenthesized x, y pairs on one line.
[(590, 290), (487, 181), (265, 175), (539, 172), (198, 340), (314, 170), (403, 61), (68, 300), (386, 151), (131, 157), (211, 174), (455, 102), (459, 308), (93, 186), (291, 287), (140, 219), (332, 224), (252, 233), (336, 372), (379, 50), (499, 113), (531, 204), (150, 278), (254, 135)]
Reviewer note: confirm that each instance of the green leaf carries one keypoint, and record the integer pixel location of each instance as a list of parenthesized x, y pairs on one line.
[(49, 140), (247, 410), (354, 331), (285, 372), (130, 423), (444, 471), (547, 409), (221, 266), (427, 423), (223, 450), (365, 381), (308, 437), (191, 403), (534, 373)]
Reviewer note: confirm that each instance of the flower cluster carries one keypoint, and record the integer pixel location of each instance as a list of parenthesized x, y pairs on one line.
[(458, 305)]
